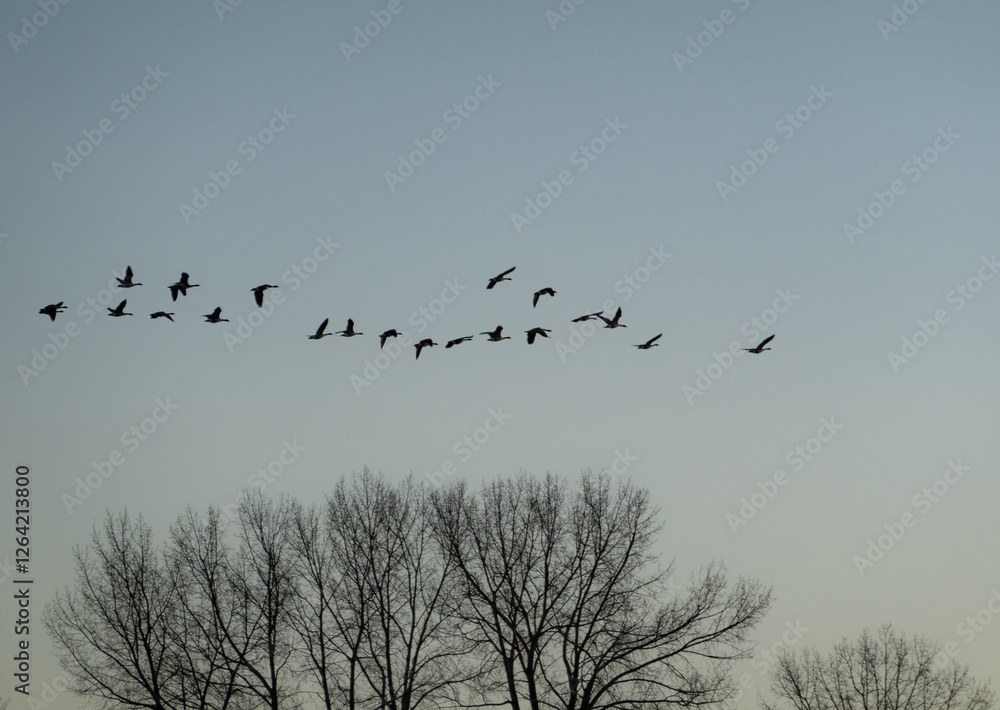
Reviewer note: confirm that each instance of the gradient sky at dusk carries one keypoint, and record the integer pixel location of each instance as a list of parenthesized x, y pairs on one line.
[(905, 115)]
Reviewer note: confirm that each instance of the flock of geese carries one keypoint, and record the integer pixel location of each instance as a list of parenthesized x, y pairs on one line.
[(181, 287)]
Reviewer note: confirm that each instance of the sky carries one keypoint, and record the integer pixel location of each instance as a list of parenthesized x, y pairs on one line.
[(722, 171)]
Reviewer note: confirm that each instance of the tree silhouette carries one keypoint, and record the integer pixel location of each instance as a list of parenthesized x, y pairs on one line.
[(240, 599), (377, 601), (566, 604), (198, 559), (881, 671), (112, 629), (531, 592)]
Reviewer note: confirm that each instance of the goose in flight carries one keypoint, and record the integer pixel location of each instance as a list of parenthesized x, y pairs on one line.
[(181, 286), (425, 343), (500, 277), (495, 335), (127, 281), (543, 292), (215, 316), (163, 314), (613, 323), (457, 341), (651, 343), (589, 316), (536, 331), (118, 311), (350, 332), (258, 293), (53, 308), (319, 331), (391, 333), (760, 348)]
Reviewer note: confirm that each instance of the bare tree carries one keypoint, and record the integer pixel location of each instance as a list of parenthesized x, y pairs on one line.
[(387, 597), (564, 599), (234, 637), (318, 627), (505, 543), (400, 591), (111, 630), (262, 589), (881, 671), (199, 560)]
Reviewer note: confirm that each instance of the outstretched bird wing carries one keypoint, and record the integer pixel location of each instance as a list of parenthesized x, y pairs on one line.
[(498, 278)]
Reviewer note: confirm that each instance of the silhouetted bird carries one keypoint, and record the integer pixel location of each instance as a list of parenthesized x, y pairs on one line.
[(118, 311), (458, 341), (425, 343), (127, 281), (53, 308), (501, 277), (214, 316), (258, 293), (543, 292), (349, 333), (181, 286), (536, 331), (319, 331), (495, 335), (760, 348), (391, 333), (613, 323), (651, 343), (163, 314), (589, 316)]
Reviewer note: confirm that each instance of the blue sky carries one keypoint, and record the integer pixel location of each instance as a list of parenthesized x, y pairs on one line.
[(834, 112)]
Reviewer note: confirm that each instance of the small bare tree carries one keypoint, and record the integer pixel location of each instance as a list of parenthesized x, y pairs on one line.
[(111, 630), (881, 671)]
